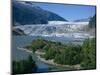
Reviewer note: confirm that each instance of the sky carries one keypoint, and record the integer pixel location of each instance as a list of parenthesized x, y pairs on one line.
[(69, 12)]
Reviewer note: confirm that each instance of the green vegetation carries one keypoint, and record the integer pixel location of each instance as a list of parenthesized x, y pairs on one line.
[(69, 54), (49, 54), (89, 54), (24, 66)]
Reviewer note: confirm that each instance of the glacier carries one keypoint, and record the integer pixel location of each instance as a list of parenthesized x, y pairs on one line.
[(57, 28)]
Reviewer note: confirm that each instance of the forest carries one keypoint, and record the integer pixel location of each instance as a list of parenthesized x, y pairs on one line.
[(67, 54), (24, 66)]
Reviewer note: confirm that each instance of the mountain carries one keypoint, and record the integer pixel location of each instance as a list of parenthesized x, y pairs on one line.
[(28, 13), (82, 20), (92, 22)]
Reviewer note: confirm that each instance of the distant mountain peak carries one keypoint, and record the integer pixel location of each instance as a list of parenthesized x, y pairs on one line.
[(83, 20)]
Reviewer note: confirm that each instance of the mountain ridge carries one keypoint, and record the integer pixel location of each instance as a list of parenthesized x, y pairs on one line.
[(83, 20), (26, 14)]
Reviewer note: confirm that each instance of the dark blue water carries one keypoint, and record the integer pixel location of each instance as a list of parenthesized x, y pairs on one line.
[(20, 41)]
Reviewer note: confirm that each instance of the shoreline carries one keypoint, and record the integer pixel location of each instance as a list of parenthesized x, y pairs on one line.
[(51, 62), (24, 49)]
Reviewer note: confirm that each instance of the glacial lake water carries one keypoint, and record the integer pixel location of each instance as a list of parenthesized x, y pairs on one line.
[(20, 41)]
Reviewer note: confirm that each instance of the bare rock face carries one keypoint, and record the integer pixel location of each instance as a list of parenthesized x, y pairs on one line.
[(18, 31)]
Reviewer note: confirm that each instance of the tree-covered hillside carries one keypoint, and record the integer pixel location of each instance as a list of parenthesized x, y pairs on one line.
[(24, 66), (31, 14), (92, 22), (89, 54)]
